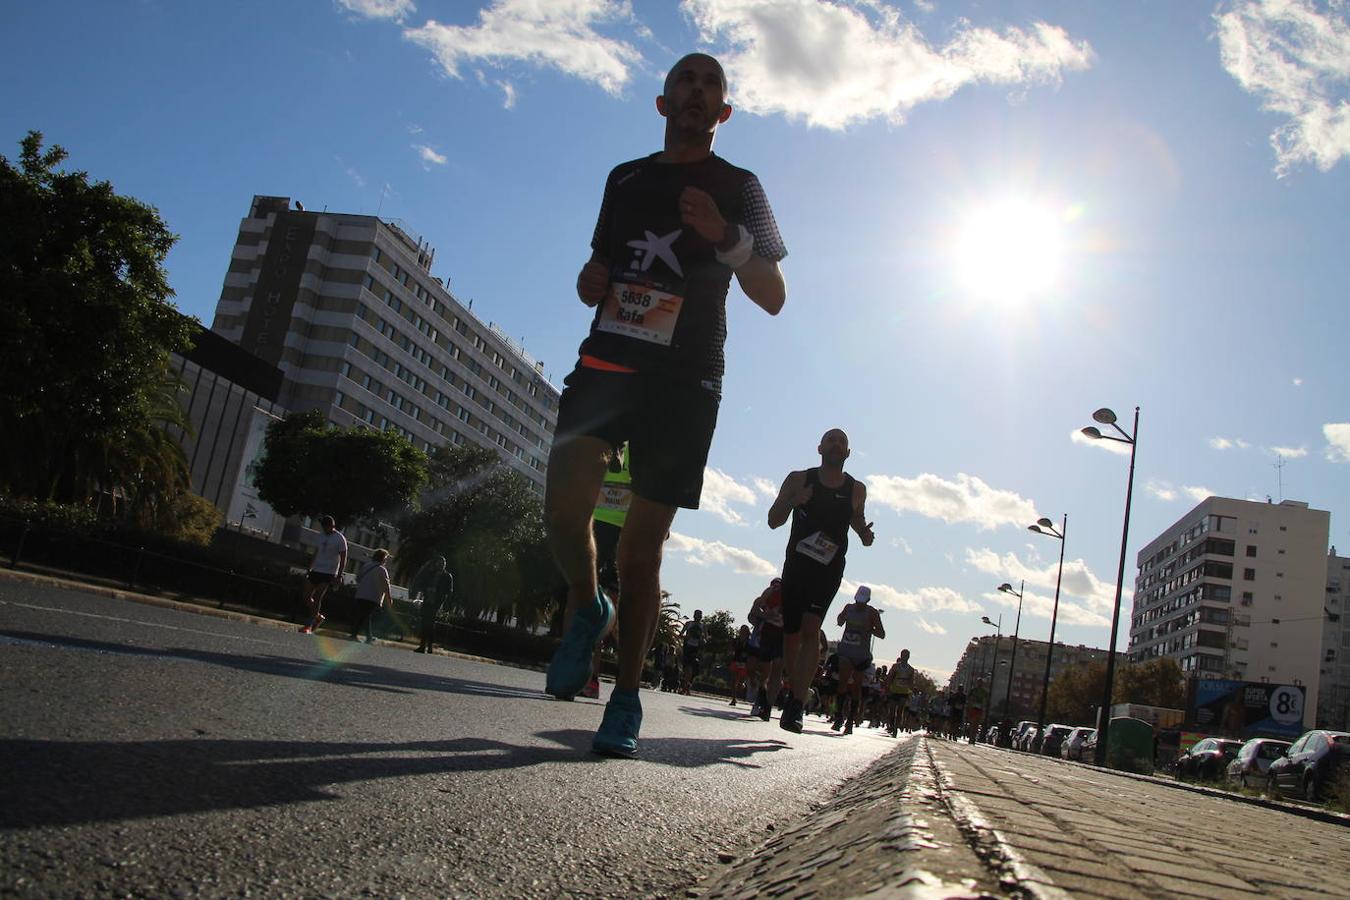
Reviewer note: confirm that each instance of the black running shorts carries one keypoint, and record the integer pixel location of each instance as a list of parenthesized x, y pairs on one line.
[(668, 426), (808, 588), (770, 644)]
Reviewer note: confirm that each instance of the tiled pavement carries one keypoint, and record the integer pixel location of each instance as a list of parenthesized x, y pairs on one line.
[(937, 819), (1097, 834)]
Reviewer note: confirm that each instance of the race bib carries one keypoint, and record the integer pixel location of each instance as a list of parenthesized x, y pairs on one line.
[(642, 312), (851, 637), (818, 547), (615, 497)]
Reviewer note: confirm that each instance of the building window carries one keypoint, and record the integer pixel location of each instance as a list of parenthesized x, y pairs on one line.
[(376, 254), (1251, 550), (1248, 574)]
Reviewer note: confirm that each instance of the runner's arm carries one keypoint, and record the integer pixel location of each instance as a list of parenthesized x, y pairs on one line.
[(762, 281), (793, 493), (877, 628), (859, 522), (593, 281)]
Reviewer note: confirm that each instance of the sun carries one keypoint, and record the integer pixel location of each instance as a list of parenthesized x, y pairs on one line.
[(1009, 251)]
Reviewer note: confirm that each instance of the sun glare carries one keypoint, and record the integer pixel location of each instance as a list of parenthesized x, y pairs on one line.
[(1010, 251)]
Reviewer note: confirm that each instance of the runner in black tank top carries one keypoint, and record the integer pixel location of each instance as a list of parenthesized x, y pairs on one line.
[(824, 503)]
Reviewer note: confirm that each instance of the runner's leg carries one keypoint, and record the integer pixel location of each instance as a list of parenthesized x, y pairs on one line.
[(640, 547), (576, 469)]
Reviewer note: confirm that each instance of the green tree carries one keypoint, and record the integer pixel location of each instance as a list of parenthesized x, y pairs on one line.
[(86, 326), (1075, 694), (485, 520), (310, 468), (1158, 682)]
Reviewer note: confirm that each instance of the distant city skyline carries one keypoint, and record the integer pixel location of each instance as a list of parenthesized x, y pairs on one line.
[(999, 218)]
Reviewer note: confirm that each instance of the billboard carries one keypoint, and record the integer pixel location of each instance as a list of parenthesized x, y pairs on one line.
[(1243, 709)]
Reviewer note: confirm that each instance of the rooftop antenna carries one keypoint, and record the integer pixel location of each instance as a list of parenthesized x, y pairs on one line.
[(1279, 468)]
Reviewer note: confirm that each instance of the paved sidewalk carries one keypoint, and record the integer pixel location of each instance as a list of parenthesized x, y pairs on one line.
[(1097, 834), (936, 819)]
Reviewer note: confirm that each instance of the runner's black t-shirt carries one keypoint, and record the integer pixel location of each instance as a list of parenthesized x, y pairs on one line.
[(665, 313), (820, 526)]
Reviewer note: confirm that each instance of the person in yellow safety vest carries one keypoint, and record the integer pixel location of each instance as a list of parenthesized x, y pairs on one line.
[(607, 525)]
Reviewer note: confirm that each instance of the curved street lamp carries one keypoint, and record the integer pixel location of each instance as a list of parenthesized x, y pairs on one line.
[(1046, 527), (1004, 738), (1107, 417), (993, 664)]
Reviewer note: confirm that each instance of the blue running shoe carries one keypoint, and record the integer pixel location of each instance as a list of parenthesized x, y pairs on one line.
[(570, 668), (619, 728)]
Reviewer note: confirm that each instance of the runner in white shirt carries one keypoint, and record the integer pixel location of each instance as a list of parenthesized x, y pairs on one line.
[(330, 559)]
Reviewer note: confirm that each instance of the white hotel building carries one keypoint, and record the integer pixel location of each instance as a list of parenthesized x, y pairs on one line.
[(346, 306)]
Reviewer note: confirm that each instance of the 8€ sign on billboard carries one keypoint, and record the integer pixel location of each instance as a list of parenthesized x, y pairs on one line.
[(1246, 708)]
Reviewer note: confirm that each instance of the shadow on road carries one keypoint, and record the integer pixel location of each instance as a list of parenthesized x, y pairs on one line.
[(53, 783), (338, 663)]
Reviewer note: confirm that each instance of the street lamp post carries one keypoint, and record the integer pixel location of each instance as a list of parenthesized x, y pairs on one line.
[(993, 665), (1004, 738), (1046, 527), (1107, 417)]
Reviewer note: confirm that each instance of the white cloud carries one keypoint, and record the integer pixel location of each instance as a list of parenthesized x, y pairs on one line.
[(1294, 56), (1163, 490), (394, 10), (414, 129), (1042, 606), (558, 34), (1298, 382), (967, 499), (720, 490), (1197, 493), (1220, 443), (1115, 447), (925, 599), (835, 64), (931, 627), (1290, 452), (699, 552), (901, 544), (765, 487), (429, 155), (1078, 579), (508, 94), (1338, 441)]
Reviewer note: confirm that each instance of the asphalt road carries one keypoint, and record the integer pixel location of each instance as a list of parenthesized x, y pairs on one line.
[(154, 751)]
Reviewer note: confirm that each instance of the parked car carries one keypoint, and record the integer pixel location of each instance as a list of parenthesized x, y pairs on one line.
[(1207, 759), (1088, 751), (1072, 746), (1027, 739), (991, 736), (1054, 736), (1248, 768), (1311, 767), (1019, 731)]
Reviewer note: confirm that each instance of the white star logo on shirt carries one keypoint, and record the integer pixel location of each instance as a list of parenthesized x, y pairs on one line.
[(654, 248)]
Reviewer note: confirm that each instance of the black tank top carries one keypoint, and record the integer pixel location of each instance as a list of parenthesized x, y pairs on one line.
[(826, 515)]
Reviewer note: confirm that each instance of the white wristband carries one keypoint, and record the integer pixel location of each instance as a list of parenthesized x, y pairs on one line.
[(738, 255)]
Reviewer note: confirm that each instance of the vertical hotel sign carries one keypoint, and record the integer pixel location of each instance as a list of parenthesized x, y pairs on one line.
[(269, 315)]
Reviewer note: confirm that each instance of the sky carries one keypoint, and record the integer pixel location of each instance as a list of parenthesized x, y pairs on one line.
[(1000, 217)]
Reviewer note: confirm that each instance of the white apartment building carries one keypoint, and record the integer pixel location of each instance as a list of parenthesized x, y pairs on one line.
[(346, 306), (1333, 705), (1235, 589)]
